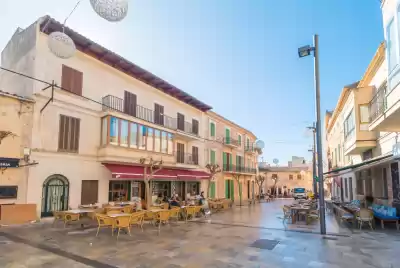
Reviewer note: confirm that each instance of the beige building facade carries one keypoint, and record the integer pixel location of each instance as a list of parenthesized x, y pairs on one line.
[(102, 114), (233, 148), (362, 162)]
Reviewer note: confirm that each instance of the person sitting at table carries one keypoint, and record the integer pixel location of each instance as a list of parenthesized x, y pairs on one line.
[(174, 203), (159, 199)]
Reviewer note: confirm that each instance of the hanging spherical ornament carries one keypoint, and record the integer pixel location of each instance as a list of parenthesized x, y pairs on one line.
[(61, 45), (260, 144), (111, 10)]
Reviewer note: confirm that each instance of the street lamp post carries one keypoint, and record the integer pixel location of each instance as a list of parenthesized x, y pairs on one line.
[(313, 150), (303, 52)]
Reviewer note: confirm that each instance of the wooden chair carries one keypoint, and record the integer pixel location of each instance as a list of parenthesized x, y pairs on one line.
[(93, 215), (123, 222), (174, 213), (197, 210), (137, 218), (162, 217), (58, 216), (70, 217), (127, 209), (365, 216), (104, 221), (312, 215), (190, 212), (149, 216)]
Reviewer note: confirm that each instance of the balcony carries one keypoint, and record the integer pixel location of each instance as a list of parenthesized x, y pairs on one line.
[(238, 169), (384, 110), (111, 102), (186, 131), (228, 141), (187, 159), (250, 149)]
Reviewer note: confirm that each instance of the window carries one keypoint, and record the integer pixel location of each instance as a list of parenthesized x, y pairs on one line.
[(247, 142), (227, 161), (349, 125), (346, 189), (180, 153), (239, 163), (239, 140), (104, 130), (195, 124), (150, 139), (134, 136), (124, 133), (71, 80), (339, 152), (291, 177), (212, 157), (364, 115), (212, 129), (299, 176), (157, 140), (68, 137), (164, 142), (181, 122), (170, 143), (195, 155), (114, 130), (158, 114), (8, 192), (360, 186), (142, 137), (391, 45), (130, 101)]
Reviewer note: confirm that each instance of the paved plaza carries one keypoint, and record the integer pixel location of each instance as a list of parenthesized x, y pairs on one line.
[(243, 237)]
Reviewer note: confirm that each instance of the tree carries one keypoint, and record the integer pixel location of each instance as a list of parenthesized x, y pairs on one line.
[(151, 167), (213, 169), (4, 134), (275, 178), (260, 181), (237, 176)]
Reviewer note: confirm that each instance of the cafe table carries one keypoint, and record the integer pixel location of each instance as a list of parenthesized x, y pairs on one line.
[(295, 211)]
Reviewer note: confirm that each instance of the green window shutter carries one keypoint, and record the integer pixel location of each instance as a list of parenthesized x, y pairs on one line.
[(212, 157), (212, 129), (240, 140), (226, 188), (225, 161), (230, 161), (237, 161), (212, 190), (228, 136), (232, 190)]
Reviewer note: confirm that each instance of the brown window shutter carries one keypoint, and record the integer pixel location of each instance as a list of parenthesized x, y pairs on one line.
[(161, 115), (130, 103), (66, 78), (156, 113), (77, 134), (61, 133), (78, 82), (195, 128)]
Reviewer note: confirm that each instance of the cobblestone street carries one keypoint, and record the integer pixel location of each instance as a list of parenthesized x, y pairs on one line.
[(226, 241)]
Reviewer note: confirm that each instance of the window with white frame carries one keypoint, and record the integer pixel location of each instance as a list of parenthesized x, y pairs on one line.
[(349, 126), (364, 116), (391, 45)]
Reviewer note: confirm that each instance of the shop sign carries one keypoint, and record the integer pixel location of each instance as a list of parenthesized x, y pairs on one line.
[(9, 162), (396, 149)]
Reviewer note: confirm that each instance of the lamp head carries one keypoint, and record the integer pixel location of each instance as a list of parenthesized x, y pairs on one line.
[(304, 51)]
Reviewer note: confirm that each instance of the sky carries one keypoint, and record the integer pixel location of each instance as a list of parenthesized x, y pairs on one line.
[(238, 56)]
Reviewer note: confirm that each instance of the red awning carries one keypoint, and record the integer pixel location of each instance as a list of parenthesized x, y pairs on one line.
[(191, 174), (137, 172)]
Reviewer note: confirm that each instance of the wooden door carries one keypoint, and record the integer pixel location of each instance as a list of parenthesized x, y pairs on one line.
[(130, 101), (181, 122), (89, 192)]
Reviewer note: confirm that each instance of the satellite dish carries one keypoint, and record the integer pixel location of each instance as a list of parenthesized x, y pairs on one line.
[(61, 45), (111, 10), (260, 144), (275, 161)]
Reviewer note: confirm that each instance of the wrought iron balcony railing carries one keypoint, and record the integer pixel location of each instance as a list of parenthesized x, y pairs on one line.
[(148, 115), (185, 158), (238, 169), (377, 105), (230, 141)]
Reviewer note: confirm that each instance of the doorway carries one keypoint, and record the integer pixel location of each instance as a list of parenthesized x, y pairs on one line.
[(89, 192), (55, 195), (394, 171)]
